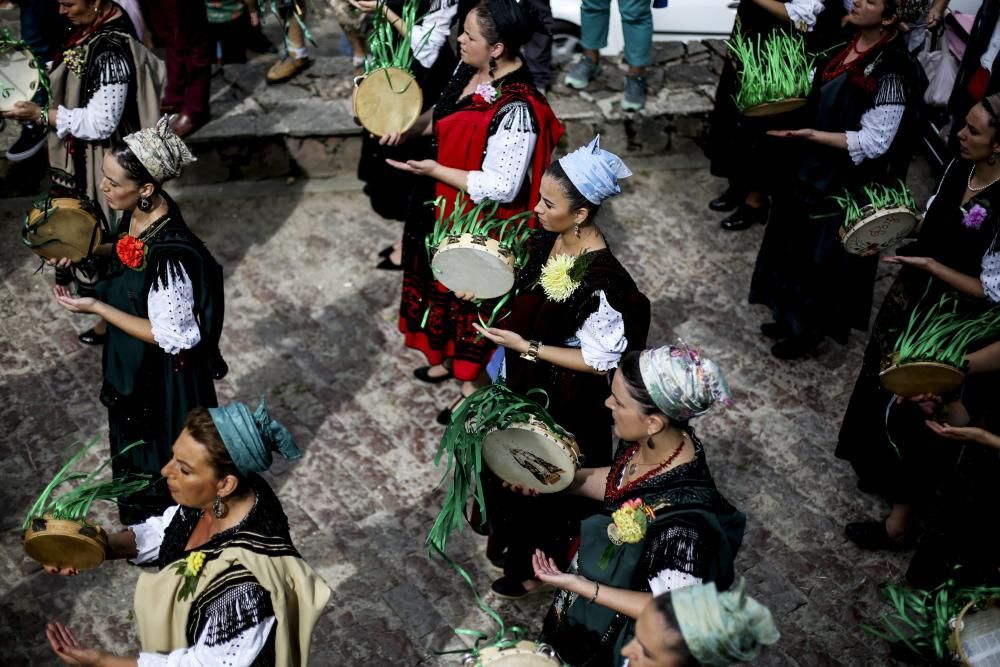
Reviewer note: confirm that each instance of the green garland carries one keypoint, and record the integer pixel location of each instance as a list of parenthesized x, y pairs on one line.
[(775, 70), (873, 198), (74, 505), (942, 334)]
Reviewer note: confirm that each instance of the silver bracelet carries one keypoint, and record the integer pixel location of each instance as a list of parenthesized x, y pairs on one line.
[(597, 589)]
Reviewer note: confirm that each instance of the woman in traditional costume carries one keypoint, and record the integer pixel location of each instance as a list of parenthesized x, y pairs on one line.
[(955, 252), (162, 298), (230, 587), (699, 626), (103, 82), (860, 101), (564, 335), (669, 524), (495, 134)]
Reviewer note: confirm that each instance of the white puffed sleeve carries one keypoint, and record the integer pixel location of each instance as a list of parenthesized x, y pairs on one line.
[(240, 651), (990, 276), (803, 13), (99, 119), (602, 336), (508, 154), (669, 580), (149, 536), (431, 32), (171, 311), (878, 128)]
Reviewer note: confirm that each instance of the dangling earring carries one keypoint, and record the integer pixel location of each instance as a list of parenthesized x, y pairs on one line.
[(649, 442), (493, 66), (219, 508), (576, 229), (992, 159), (145, 204)]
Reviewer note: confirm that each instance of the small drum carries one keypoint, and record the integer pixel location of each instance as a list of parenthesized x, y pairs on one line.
[(65, 543), (921, 377), (20, 77), (975, 637), (62, 227), (530, 455), (522, 654), (878, 230), (475, 264), (775, 108), (387, 100)]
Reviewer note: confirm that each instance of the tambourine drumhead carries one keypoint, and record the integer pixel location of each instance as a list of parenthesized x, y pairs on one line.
[(19, 78), (65, 543), (531, 456), (64, 229), (522, 654), (921, 377), (463, 265), (775, 108), (388, 100), (976, 637), (878, 231)]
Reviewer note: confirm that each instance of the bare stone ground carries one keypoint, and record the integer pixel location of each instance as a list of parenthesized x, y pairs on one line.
[(311, 325)]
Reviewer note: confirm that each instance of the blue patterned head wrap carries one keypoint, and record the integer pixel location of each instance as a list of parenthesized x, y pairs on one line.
[(250, 437), (594, 171), (681, 382)]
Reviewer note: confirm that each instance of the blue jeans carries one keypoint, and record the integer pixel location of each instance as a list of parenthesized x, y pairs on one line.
[(637, 27)]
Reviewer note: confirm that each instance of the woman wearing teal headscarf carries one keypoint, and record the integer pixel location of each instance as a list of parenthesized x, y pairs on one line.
[(664, 525), (230, 587)]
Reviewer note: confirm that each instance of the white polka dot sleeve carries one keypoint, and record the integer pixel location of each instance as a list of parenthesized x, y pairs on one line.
[(149, 536), (602, 337), (878, 128), (99, 119), (171, 311), (990, 276), (669, 580), (508, 154), (240, 651)]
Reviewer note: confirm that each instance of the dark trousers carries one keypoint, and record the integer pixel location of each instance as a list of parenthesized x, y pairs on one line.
[(181, 26), (41, 27), (538, 51)]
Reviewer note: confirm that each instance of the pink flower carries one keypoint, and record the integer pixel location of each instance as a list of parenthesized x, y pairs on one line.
[(486, 92), (974, 218)]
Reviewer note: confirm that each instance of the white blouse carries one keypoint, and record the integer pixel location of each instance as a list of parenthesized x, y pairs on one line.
[(602, 339), (99, 119), (990, 276), (803, 13), (878, 128), (508, 154), (431, 32), (171, 311), (240, 651)]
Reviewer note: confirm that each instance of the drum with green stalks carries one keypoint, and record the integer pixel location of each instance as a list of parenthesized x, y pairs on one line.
[(774, 72), (57, 531), (22, 75), (929, 357), (877, 218), (387, 99)]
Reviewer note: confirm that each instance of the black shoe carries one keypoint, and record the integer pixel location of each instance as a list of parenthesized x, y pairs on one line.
[(745, 217), (388, 265), (91, 337), (726, 202), (795, 347), (386, 251), (498, 563), (773, 330), (871, 535), (510, 589), (444, 417), (33, 138), (422, 375)]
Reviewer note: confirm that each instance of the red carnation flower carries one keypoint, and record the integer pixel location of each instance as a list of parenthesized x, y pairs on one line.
[(131, 251), (478, 99)]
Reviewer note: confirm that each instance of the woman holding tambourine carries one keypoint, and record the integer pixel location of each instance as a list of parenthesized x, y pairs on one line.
[(494, 134)]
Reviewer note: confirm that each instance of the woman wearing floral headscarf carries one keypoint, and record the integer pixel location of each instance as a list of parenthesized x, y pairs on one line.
[(664, 524), (162, 298)]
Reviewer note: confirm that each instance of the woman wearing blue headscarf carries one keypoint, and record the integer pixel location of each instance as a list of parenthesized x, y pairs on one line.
[(578, 310)]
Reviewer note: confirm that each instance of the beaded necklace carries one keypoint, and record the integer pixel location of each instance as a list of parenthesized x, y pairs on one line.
[(612, 493), (838, 66)]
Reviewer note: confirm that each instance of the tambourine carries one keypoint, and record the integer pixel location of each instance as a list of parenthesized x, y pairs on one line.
[(387, 101), (921, 377), (877, 230), (475, 264), (975, 638), (522, 654), (63, 543), (20, 77), (63, 227), (531, 455)]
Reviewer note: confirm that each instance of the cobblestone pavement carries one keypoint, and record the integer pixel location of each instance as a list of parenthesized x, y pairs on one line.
[(311, 325)]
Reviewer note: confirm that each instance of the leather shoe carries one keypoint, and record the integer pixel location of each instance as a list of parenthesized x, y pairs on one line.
[(286, 69), (725, 202), (386, 251), (773, 330), (388, 265), (91, 337), (871, 535), (510, 589), (183, 125), (795, 347), (423, 375), (745, 217)]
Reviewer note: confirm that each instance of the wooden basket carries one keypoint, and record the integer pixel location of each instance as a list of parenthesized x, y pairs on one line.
[(62, 543)]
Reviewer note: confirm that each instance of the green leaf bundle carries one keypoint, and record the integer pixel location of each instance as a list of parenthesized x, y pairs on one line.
[(943, 332), (386, 47), (770, 70), (481, 221), (873, 198)]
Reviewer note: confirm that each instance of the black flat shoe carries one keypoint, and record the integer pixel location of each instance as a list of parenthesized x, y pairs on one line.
[(422, 375), (388, 265), (773, 330), (509, 589), (795, 347), (386, 251), (871, 535), (444, 417), (726, 202), (745, 217), (91, 337)]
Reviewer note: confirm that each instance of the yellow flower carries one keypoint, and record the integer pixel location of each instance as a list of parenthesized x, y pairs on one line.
[(193, 564), (555, 278), (631, 524)]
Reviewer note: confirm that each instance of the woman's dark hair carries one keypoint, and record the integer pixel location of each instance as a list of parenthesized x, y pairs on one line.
[(506, 22), (134, 169), (892, 8), (665, 606), (632, 375), (200, 426), (992, 105), (573, 195)]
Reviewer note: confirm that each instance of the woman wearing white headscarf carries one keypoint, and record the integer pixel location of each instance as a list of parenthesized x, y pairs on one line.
[(664, 525), (162, 298)]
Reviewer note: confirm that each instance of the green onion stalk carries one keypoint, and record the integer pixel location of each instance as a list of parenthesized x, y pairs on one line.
[(494, 407), (943, 334), (771, 71), (386, 47), (874, 198), (74, 505), (921, 619)]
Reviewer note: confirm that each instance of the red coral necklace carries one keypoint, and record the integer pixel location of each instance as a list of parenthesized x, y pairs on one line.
[(131, 250), (611, 491)]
